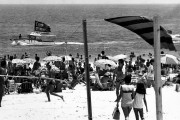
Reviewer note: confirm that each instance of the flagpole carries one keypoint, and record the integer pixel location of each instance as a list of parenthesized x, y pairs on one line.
[(87, 70), (157, 66)]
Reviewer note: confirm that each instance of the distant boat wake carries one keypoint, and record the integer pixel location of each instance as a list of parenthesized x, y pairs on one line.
[(36, 43)]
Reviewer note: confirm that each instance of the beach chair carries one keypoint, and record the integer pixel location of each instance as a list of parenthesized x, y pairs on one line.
[(12, 86), (25, 87)]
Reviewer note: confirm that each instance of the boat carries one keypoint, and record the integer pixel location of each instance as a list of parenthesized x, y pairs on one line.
[(41, 36)]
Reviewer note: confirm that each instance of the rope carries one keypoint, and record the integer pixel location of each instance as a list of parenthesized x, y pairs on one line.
[(32, 77), (98, 20), (73, 32)]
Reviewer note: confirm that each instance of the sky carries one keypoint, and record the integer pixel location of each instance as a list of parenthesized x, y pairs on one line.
[(89, 1)]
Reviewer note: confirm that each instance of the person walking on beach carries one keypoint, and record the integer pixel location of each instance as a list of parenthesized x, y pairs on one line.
[(150, 74), (118, 76), (140, 95), (3, 71), (50, 85), (126, 94)]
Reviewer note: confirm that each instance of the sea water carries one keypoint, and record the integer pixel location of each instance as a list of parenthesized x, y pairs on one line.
[(66, 23)]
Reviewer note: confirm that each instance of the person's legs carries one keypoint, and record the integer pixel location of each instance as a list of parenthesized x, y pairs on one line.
[(117, 89), (136, 113), (52, 93), (129, 110), (126, 111), (47, 92), (0, 99), (1, 95), (141, 113)]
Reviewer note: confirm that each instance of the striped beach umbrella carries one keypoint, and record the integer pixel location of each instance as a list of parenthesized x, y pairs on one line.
[(143, 27)]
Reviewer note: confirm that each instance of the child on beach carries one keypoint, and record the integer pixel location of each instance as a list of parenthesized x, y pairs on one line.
[(138, 104)]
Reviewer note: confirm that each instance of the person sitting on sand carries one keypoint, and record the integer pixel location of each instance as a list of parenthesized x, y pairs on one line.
[(102, 77), (50, 85)]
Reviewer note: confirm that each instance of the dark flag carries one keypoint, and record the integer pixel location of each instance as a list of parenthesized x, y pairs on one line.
[(143, 27), (41, 27)]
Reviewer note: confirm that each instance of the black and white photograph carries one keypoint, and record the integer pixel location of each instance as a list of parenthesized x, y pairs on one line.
[(89, 59)]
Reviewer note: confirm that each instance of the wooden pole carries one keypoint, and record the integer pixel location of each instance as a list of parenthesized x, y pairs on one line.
[(87, 70), (157, 68)]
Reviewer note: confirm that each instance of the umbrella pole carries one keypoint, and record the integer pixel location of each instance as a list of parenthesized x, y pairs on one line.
[(87, 71), (157, 66)]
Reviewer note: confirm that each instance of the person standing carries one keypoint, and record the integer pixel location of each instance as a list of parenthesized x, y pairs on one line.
[(103, 55), (36, 66), (119, 76), (140, 95), (126, 94), (150, 74), (36, 71), (3, 71)]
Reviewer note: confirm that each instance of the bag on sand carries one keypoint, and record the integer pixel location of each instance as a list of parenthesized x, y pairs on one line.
[(116, 113)]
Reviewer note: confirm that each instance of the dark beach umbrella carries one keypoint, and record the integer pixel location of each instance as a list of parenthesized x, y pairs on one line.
[(143, 27)]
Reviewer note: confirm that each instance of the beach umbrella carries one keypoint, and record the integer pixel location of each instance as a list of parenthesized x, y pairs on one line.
[(143, 27), (29, 60), (169, 59), (52, 58), (18, 61), (102, 62), (117, 57), (110, 57)]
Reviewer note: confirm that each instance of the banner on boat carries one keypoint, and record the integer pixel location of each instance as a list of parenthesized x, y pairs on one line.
[(41, 27), (143, 27)]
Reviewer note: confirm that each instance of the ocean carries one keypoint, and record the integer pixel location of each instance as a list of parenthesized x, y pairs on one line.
[(66, 23)]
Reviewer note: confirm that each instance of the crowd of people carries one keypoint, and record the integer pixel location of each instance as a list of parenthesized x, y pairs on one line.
[(129, 80)]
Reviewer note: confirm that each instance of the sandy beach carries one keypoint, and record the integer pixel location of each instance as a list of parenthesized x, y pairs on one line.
[(34, 106)]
